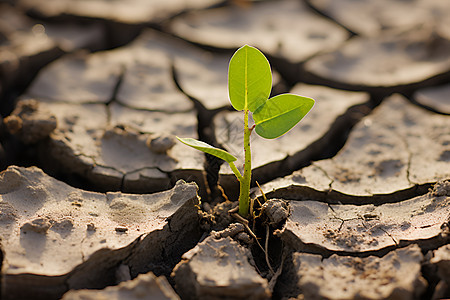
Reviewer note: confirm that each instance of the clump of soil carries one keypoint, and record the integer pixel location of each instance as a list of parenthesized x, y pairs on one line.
[(30, 122)]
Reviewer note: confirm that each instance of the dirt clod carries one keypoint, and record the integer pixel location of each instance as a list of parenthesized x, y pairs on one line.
[(276, 210), (230, 231), (367, 228), (394, 276), (442, 188), (219, 218), (40, 225), (442, 260), (161, 143), (219, 269), (244, 238), (30, 122)]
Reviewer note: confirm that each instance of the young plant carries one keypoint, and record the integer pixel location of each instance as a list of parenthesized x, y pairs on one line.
[(249, 86)]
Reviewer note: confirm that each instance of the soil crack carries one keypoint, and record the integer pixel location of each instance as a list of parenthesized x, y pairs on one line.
[(410, 157), (114, 93)]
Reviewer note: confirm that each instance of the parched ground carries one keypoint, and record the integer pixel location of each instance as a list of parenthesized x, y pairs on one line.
[(99, 201)]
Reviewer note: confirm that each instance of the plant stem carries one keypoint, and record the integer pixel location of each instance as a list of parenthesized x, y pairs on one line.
[(235, 171), (246, 179)]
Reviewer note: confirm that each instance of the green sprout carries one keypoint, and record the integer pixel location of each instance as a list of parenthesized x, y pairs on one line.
[(249, 86)]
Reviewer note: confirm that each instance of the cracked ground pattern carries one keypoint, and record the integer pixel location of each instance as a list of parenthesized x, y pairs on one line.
[(97, 199)]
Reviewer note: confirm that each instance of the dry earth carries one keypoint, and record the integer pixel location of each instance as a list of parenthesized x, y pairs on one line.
[(99, 201)]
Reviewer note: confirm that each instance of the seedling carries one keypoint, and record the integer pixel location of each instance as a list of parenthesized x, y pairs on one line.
[(249, 86)]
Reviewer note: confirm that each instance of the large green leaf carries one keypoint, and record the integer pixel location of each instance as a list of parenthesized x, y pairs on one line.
[(249, 79), (280, 113), (202, 146)]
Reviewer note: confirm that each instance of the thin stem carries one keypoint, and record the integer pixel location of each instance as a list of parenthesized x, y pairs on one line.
[(236, 171), (245, 182)]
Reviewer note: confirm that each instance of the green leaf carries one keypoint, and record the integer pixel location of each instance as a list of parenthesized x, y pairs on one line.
[(280, 113), (202, 146), (249, 79)]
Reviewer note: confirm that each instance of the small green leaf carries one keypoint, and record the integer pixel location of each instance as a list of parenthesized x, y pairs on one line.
[(280, 113), (249, 79), (202, 146)]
